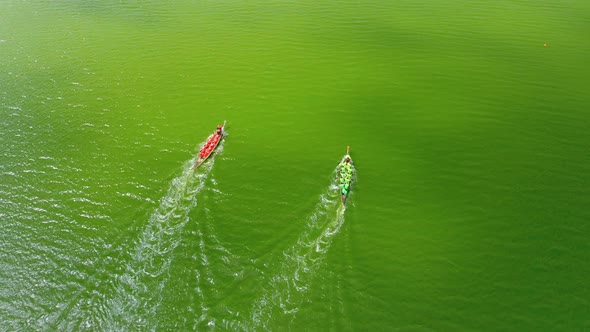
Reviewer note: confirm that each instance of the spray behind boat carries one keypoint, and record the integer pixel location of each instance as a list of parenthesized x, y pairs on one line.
[(138, 290), (285, 292)]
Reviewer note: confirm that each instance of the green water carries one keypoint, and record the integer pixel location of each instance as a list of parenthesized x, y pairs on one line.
[(469, 211)]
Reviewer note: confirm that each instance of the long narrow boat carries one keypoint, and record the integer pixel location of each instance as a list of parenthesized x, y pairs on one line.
[(345, 173), (210, 146)]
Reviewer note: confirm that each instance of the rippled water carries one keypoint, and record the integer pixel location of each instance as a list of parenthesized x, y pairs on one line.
[(467, 123)]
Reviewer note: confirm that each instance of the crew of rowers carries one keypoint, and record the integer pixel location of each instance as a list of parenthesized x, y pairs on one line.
[(211, 143), (345, 174)]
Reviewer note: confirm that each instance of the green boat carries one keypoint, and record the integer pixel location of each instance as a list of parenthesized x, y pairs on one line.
[(345, 173)]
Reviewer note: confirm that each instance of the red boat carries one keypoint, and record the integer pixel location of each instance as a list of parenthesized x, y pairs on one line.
[(210, 146)]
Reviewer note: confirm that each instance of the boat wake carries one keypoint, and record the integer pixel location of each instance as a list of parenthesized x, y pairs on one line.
[(138, 290), (287, 291), (216, 258)]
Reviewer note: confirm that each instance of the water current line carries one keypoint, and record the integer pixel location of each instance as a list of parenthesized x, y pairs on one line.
[(286, 291)]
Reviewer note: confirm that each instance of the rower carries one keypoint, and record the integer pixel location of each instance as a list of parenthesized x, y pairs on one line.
[(343, 165), (219, 130), (346, 162)]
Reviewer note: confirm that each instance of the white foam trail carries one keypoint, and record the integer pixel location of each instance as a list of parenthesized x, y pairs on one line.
[(287, 290), (138, 290), (205, 277)]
